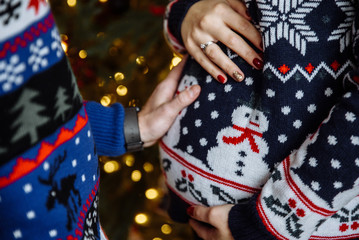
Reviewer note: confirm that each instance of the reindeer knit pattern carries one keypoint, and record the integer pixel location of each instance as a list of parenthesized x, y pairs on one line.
[(49, 175), (283, 145)]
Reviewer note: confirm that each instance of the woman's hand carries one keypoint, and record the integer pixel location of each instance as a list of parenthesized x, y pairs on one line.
[(161, 109), (210, 223), (221, 20)]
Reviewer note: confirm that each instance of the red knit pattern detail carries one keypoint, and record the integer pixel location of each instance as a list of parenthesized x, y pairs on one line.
[(29, 36)]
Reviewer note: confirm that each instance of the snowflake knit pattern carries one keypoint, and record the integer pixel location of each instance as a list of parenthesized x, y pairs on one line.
[(283, 145), (49, 175)]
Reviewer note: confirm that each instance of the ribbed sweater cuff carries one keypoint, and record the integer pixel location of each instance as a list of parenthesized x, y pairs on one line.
[(245, 223), (178, 11), (107, 128)]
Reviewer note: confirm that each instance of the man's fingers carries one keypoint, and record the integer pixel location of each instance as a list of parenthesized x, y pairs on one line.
[(185, 98), (202, 230)]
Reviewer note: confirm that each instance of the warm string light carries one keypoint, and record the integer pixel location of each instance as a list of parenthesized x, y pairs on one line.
[(105, 101), (151, 193), (129, 160), (136, 175), (148, 167), (175, 61), (64, 44), (121, 90), (119, 76), (83, 54), (71, 3), (141, 218), (141, 62), (166, 229), (111, 166)]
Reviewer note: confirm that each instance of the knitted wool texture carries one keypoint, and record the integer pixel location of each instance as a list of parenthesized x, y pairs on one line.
[(283, 145), (49, 175)]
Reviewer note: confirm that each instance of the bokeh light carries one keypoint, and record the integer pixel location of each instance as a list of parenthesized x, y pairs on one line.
[(111, 166), (166, 229), (151, 193), (136, 175), (141, 218)]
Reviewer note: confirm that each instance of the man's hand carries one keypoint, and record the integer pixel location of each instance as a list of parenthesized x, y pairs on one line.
[(210, 223), (161, 109)]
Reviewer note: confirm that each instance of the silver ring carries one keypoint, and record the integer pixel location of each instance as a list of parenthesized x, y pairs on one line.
[(203, 46)]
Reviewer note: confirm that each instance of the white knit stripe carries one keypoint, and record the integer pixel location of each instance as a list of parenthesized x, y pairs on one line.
[(26, 15)]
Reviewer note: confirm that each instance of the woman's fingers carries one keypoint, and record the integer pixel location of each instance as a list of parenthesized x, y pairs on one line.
[(228, 33), (240, 24), (213, 60), (225, 21), (215, 54), (240, 7)]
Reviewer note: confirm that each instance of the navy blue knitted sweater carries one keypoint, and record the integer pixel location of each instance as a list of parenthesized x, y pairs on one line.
[(283, 145), (49, 176)]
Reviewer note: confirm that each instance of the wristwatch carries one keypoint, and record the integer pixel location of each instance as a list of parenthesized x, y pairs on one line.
[(131, 130)]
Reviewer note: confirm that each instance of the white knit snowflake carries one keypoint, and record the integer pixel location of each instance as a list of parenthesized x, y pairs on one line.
[(38, 51), (285, 19), (11, 73), (343, 33), (56, 44)]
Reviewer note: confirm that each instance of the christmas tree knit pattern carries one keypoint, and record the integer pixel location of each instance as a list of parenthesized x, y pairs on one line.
[(283, 145)]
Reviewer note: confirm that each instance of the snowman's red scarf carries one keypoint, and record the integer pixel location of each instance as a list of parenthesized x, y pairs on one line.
[(247, 134)]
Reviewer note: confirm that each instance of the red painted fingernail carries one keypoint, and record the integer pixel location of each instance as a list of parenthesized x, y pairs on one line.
[(258, 63), (247, 13), (221, 79), (190, 211)]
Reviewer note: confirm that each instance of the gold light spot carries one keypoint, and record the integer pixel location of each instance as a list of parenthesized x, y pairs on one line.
[(103, 1), (111, 166), (151, 193), (166, 229), (176, 60), (121, 90), (148, 167), (119, 76), (157, 238), (83, 54), (136, 175), (145, 70), (105, 101), (64, 46), (71, 3), (141, 218), (141, 60), (129, 160)]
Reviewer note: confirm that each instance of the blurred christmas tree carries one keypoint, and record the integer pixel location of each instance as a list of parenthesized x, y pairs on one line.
[(118, 54)]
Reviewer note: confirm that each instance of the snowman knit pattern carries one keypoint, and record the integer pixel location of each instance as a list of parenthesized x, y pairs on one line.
[(283, 145), (49, 175)]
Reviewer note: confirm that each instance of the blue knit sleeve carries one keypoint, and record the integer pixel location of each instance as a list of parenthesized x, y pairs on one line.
[(107, 127)]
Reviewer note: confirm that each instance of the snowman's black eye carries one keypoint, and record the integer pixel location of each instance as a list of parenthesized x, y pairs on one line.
[(247, 115), (257, 118)]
